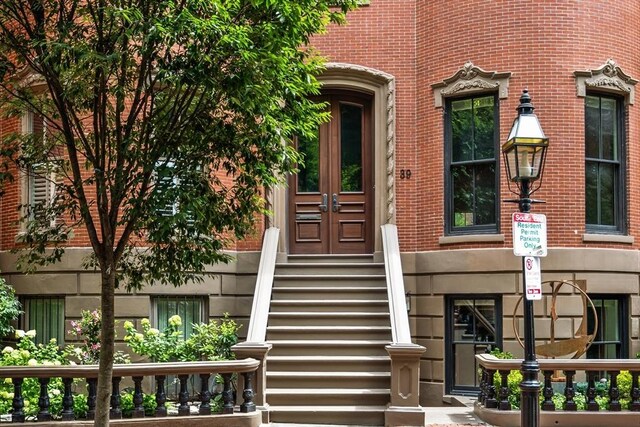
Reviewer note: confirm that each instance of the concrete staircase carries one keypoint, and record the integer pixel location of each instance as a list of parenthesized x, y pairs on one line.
[(329, 324)]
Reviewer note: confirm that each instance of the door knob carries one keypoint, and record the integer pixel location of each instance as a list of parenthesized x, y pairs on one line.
[(323, 206), (336, 205)]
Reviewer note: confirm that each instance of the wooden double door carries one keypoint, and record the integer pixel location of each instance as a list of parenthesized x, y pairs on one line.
[(331, 197)]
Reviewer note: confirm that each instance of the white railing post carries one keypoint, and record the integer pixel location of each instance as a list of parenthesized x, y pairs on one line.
[(404, 409)]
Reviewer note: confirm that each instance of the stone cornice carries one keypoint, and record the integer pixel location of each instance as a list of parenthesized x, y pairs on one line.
[(469, 79), (608, 78)]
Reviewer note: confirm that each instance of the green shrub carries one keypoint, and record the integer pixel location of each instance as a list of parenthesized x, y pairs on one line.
[(27, 353), (209, 341), (10, 308)]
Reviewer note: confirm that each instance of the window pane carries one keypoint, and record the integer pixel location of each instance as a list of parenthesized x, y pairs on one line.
[(608, 126), (46, 316), (310, 171), (465, 373), (462, 188), (607, 194), (189, 310), (461, 130), (485, 194), (591, 193), (351, 147), (483, 127), (592, 127)]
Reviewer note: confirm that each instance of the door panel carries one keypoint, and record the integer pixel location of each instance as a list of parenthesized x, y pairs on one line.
[(330, 199)]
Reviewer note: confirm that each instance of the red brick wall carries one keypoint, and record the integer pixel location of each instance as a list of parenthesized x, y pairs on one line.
[(422, 42), (542, 44)]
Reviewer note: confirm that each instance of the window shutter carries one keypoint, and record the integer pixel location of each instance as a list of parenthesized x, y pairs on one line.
[(165, 180)]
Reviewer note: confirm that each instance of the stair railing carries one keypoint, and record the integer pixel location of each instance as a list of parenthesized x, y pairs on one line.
[(255, 346), (404, 408)]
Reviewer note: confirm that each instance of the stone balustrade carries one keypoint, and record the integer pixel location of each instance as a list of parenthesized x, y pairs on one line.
[(560, 376), (137, 372)]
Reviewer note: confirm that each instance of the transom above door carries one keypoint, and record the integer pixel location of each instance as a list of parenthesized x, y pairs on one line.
[(331, 197)]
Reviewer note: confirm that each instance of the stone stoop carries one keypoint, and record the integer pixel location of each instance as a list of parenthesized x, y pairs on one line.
[(329, 325)]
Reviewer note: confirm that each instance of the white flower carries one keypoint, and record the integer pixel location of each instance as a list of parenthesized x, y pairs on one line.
[(19, 333), (32, 362), (128, 324), (154, 331), (31, 333), (175, 320), (145, 322), (7, 349), (55, 392)]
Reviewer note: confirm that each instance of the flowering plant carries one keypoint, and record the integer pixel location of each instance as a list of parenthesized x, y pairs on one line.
[(28, 353), (88, 328), (158, 346)]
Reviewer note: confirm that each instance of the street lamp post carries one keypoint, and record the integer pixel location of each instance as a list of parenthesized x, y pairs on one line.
[(524, 154)]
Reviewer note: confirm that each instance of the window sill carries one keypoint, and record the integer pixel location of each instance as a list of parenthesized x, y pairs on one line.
[(608, 238), (21, 237), (471, 238)]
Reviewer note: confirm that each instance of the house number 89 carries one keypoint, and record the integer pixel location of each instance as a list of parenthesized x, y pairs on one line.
[(405, 173)]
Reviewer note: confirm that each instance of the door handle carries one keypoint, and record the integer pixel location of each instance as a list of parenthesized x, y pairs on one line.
[(336, 205), (323, 206)]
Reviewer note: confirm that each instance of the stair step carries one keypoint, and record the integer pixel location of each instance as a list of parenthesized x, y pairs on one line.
[(324, 305), (333, 268), (329, 292), (336, 415), (328, 347), (329, 363), (327, 396), (334, 280), (327, 379), (324, 258), (325, 318), (329, 332)]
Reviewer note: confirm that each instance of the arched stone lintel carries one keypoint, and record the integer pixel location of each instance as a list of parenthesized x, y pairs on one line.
[(607, 78), (471, 79)]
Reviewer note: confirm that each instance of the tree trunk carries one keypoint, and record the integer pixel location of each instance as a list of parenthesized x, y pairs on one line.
[(107, 335)]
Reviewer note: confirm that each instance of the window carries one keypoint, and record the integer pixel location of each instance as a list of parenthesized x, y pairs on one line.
[(166, 181), (610, 341), (604, 177), (190, 310), (471, 134), (46, 317), (473, 326), (39, 182)]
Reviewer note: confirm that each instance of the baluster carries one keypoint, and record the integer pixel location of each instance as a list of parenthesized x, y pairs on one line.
[(183, 396), (18, 401), (227, 395), (614, 392), (138, 398), (483, 385), (491, 401), (161, 397), (503, 395), (205, 395), (115, 412), (67, 401), (569, 392), (43, 400), (92, 384), (247, 394), (547, 392), (635, 392), (592, 405)]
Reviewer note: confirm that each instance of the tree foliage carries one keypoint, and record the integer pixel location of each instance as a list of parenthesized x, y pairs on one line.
[(212, 89)]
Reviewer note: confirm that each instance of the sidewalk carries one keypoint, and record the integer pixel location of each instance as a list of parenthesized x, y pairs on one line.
[(436, 417)]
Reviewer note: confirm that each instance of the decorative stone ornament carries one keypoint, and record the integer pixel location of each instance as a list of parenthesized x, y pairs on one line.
[(608, 78), (471, 79)]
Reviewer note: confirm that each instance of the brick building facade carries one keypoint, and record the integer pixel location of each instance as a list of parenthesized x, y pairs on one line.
[(437, 84)]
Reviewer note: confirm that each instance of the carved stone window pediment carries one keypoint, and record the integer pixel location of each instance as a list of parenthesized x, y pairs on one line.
[(471, 79), (608, 78)]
